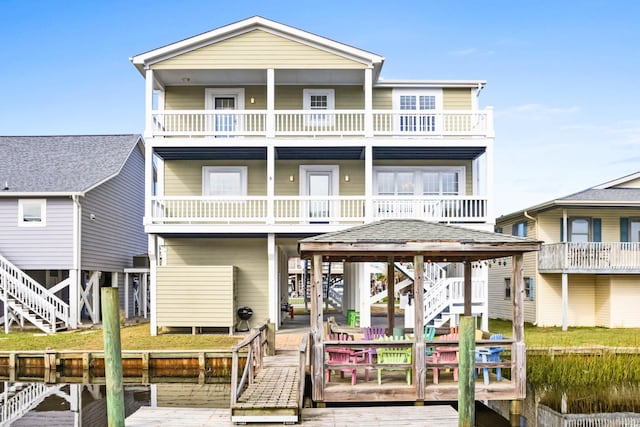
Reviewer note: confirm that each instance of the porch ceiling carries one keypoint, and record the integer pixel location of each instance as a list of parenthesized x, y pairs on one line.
[(319, 153), (213, 77)]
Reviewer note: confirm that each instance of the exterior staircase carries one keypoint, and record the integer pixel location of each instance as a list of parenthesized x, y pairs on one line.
[(26, 299), (19, 398), (443, 296)]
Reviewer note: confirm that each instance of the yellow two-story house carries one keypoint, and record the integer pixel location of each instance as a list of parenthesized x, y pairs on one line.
[(259, 134), (587, 272)]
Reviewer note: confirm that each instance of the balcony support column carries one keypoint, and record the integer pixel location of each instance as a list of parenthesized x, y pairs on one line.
[(565, 301), (148, 103), (368, 102), (368, 183), (271, 168), (271, 103), (272, 279)]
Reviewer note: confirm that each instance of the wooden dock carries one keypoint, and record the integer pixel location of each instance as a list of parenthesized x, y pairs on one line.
[(274, 393), (370, 416)]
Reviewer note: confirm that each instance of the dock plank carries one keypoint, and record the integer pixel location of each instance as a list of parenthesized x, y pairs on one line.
[(377, 416)]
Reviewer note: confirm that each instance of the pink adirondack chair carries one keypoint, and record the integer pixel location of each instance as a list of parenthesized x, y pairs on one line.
[(445, 355), (340, 356)]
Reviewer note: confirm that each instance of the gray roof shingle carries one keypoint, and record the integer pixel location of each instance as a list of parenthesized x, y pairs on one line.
[(606, 195), (61, 164), (412, 230)]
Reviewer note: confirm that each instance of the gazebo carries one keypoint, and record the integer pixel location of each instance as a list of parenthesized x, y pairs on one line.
[(418, 242)]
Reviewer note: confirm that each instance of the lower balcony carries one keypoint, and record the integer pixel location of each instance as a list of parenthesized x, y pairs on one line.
[(312, 211), (590, 258)]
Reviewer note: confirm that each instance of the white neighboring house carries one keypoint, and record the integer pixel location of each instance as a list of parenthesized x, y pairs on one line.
[(71, 211)]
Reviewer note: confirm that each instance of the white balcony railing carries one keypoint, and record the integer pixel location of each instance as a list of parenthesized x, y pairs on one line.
[(346, 210), (326, 123), (590, 257)]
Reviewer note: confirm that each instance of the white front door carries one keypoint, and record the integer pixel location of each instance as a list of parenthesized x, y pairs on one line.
[(223, 124), (319, 183)]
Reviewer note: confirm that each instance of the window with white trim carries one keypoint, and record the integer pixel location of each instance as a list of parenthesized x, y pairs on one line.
[(427, 181), (318, 99), (421, 103), (507, 288), (224, 181), (32, 212)]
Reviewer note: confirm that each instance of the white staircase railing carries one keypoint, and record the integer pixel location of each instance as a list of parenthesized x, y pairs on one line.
[(23, 401), (30, 299)]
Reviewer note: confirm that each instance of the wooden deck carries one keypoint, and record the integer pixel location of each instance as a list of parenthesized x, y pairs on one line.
[(425, 416), (273, 396)]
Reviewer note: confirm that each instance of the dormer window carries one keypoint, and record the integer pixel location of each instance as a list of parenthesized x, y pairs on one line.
[(32, 212)]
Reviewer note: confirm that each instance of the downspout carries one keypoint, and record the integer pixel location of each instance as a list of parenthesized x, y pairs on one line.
[(76, 272)]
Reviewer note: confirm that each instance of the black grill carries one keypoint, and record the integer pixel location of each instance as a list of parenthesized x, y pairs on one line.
[(245, 313)]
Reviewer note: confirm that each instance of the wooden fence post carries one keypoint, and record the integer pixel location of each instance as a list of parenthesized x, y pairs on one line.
[(112, 357), (466, 380)]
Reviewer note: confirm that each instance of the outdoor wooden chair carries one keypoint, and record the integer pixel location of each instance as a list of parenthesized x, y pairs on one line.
[(340, 356), (445, 355), (488, 355), (373, 332), (394, 356)]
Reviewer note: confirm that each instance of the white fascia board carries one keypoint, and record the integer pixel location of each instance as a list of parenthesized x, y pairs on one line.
[(617, 181), (40, 194), (166, 229), (429, 83), (569, 204), (145, 59)]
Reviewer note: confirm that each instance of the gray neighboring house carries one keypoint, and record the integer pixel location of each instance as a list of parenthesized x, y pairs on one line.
[(71, 211)]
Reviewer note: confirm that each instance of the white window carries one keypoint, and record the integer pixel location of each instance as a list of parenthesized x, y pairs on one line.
[(396, 183), (224, 181), (579, 230), (441, 183), (32, 212), (419, 105), (318, 99), (414, 181)]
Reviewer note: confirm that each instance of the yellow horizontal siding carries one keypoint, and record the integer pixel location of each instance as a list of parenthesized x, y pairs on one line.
[(257, 49), (383, 99), (549, 222), (346, 97), (603, 301), (249, 256), (287, 168), (624, 299), (456, 98), (184, 177), (195, 296), (193, 97), (582, 303)]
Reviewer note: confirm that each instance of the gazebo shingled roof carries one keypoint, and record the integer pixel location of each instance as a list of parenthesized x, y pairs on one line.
[(402, 239)]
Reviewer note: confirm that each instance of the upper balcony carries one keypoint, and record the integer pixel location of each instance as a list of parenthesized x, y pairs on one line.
[(305, 213), (590, 258), (328, 123)]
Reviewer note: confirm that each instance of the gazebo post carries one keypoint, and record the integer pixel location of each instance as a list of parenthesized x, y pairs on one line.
[(468, 297), (317, 328), (466, 381), (391, 306), (418, 327), (518, 359)]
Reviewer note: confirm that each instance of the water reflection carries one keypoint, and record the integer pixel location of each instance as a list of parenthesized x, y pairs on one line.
[(37, 404)]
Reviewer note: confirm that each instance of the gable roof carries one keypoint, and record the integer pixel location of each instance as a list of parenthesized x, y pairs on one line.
[(603, 195), (256, 22), (61, 165), (404, 238)]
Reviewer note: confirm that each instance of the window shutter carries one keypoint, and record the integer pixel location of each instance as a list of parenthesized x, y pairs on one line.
[(624, 229), (532, 287), (597, 229), (561, 229)]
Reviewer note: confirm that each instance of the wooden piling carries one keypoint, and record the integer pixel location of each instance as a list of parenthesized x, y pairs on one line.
[(112, 357), (466, 381)]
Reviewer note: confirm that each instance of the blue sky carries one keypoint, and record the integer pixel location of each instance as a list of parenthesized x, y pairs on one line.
[(562, 75)]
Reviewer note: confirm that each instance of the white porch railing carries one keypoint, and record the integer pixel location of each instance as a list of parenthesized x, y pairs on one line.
[(35, 300), (590, 257), (310, 209), (432, 208), (449, 292), (321, 123)]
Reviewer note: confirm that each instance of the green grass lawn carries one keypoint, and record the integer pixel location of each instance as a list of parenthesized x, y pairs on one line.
[(137, 337)]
